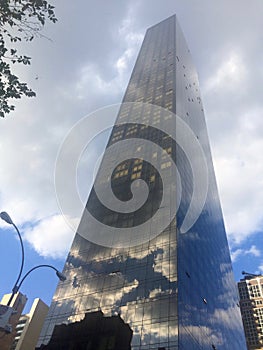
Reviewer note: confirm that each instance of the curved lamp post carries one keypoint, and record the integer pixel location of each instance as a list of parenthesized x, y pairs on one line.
[(4, 216)]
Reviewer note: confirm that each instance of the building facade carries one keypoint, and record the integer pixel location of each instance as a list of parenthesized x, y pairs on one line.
[(18, 303), (251, 305), (29, 326), (169, 280)]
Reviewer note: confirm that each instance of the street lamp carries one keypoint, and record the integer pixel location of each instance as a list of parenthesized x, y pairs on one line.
[(4, 216), (16, 287)]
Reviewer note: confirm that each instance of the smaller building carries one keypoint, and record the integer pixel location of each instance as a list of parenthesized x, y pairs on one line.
[(18, 303), (251, 305), (29, 326)]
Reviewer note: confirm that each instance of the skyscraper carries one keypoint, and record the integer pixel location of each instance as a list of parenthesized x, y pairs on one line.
[(251, 305), (160, 262)]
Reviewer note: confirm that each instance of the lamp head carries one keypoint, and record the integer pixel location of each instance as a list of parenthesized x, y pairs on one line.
[(4, 216), (61, 276)]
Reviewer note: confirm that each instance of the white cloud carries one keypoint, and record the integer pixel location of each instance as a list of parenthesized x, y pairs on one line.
[(229, 317), (235, 255), (163, 265), (87, 65), (69, 87), (210, 336), (234, 115), (239, 169), (51, 237), (260, 269), (253, 250), (90, 81), (229, 74)]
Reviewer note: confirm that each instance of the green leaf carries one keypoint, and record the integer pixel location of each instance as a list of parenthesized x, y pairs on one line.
[(19, 20)]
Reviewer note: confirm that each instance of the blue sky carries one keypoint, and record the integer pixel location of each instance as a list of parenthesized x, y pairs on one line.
[(85, 66)]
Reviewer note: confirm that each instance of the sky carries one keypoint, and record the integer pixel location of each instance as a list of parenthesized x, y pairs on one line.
[(85, 65)]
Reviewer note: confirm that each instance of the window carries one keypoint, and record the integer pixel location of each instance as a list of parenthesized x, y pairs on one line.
[(166, 165), (136, 176), (152, 178)]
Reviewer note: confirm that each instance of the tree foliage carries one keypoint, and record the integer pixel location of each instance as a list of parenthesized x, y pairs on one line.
[(20, 20)]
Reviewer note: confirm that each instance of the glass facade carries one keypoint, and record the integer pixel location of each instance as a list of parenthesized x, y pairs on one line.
[(175, 290)]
